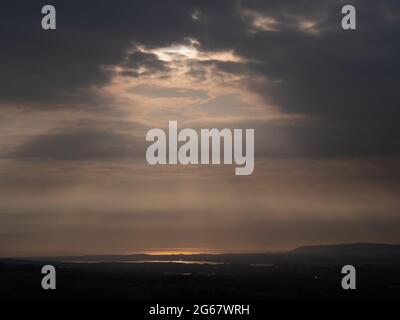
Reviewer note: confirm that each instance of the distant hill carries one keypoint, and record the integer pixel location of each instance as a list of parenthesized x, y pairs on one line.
[(349, 253), (350, 248)]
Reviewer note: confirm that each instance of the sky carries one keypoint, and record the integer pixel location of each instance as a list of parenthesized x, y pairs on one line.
[(76, 104)]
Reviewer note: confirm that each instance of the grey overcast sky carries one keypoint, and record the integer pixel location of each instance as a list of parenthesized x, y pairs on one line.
[(76, 103)]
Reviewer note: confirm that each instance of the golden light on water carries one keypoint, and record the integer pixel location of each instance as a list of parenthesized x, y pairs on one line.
[(186, 251)]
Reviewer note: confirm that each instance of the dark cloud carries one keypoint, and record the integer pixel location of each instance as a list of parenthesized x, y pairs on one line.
[(42, 68), (347, 80), (148, 61)]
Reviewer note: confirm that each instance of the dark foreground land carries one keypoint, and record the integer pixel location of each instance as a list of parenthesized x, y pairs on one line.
[(305, 273)]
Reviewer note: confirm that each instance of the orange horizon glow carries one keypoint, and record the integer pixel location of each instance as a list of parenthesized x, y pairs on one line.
[(191, 251)]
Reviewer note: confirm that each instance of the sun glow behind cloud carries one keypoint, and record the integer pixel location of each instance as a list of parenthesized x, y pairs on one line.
[(190, 88), (192, 51)]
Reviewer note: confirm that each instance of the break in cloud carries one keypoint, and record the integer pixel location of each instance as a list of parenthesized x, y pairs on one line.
[(82, 97), (294, 55)]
